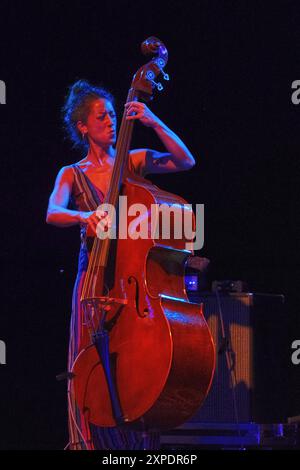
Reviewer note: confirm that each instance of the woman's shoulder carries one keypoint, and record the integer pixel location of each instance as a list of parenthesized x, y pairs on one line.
[(66, 173)]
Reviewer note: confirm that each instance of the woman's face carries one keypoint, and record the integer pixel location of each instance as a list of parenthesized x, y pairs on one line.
[(101, 123)]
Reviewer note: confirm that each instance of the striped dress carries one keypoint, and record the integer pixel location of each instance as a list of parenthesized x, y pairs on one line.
[(85, 436)]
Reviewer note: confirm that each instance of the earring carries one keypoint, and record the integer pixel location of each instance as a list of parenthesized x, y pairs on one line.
[(83, 135)]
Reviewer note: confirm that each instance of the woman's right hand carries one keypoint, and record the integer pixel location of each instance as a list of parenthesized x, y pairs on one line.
[(93, 219)]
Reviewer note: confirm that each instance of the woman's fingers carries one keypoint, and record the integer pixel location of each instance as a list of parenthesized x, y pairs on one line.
[(103, 222), (135, 107), (134, 116), (100, 213), (99, 219), (137, 110)]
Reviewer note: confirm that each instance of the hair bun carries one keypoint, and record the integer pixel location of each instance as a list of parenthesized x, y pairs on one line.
[(80, 86)]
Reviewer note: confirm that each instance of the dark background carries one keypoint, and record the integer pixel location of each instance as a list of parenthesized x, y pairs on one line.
[(231, 65)]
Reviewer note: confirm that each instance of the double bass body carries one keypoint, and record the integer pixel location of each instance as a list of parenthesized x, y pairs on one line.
[(160, 348)]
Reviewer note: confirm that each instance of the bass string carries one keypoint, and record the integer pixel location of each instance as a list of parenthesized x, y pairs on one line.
[(92, 261), (100, 246), (100, 249)]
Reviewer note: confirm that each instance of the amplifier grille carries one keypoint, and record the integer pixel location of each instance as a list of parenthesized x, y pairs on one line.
[(252, 324)]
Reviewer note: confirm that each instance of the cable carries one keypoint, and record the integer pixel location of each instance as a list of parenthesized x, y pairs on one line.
[(71, 405)]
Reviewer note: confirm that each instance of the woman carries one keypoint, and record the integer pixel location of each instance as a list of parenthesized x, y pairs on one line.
[(90, 121)]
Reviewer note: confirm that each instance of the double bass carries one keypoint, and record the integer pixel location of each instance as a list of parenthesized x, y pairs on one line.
[(147, 358)]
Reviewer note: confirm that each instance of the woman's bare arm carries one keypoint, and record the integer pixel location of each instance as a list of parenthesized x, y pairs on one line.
[(57, 213), (177, 156)]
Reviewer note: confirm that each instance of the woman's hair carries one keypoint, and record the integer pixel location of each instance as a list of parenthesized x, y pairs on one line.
[(77, 107)]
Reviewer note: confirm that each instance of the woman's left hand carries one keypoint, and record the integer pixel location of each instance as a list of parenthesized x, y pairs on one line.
[(142, 112)]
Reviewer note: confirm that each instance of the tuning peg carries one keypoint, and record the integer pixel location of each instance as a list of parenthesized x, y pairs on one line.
[(150, 76), (158, 85), (165, 75), (160, 62)]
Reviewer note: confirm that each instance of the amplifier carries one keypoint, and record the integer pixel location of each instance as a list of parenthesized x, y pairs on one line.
[(255, 326)]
